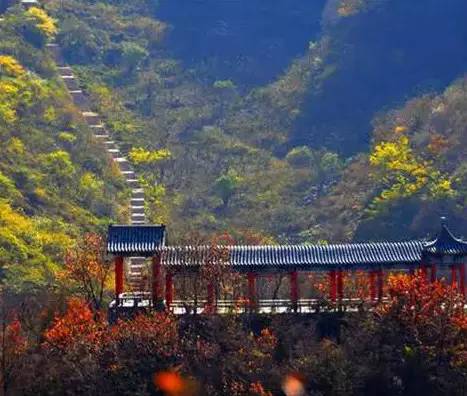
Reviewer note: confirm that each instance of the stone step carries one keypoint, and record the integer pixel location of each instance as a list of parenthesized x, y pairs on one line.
[(138, 215), (139, 209), (101, 136), (80, 99), (71, 83), (133, 183), (65, 72)]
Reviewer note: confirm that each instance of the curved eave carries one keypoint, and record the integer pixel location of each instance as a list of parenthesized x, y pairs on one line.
[(446, 244)]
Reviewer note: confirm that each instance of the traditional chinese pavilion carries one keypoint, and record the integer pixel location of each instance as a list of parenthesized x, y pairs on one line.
[(444, 254)]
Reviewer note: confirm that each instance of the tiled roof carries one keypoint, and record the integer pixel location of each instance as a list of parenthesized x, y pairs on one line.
[(300, 256), (143, 240), (446, 244)]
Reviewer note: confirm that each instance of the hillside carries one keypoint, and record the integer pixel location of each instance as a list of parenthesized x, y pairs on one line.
[(276, 135), (221, 149), (54, 184)]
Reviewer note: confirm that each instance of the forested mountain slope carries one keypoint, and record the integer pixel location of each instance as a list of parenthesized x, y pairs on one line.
[(54, 182), (276, 155), (221, 145)]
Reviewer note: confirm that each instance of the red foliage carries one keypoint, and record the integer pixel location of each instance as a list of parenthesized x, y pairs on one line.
[(77, 324), (432, 315)]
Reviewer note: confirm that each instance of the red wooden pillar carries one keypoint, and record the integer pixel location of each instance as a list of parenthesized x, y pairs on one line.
[(294, 292), (118, 276), (340, 284), (433, 273), (380, 283), (169, 289), (453, 277), (252, 290), (156, 279), (332, 285), (211, 295), (372, 280), (424, 271), (462, 279)]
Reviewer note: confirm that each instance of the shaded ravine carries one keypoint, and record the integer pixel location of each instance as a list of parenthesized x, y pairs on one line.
[(104, 138)]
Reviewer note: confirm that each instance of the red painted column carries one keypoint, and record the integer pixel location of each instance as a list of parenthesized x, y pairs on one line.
[(380, 283), (424, 270), (332, 285), (294, 292), (372, 280), (433, 273), (252, 290), (169, 289), (462, 278), (211, 295), (453, 277), (118, 276), (340, 284), (156, 279)]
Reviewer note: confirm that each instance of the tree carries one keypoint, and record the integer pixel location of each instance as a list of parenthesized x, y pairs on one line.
[(414, 343), (132, 55), (13, 345), (401, 174), (87, 267), (226, 185)]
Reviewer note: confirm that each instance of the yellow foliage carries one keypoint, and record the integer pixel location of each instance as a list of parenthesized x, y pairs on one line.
[(141, 156), (404, 175), (15, 146), (50, 114), (44, 22), (400, 129), (10, 66)]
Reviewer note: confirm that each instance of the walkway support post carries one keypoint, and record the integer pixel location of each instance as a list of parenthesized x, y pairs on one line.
[(169, 289), (252, 291), (294, 292), (211, 297), (118, 277), (424, 271), (156, 279), (380, 283), (372, 280), (340, 285), (332, 285), (433, 273), (462, 279), (453, 277)]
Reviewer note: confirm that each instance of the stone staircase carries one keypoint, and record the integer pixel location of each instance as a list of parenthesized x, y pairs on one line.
[(104, 138)]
